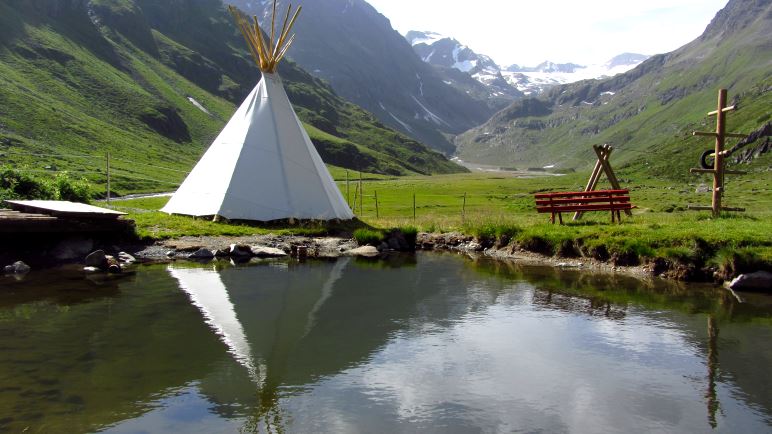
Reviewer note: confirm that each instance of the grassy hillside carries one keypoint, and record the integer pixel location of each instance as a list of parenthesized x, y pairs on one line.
[(82, 78), (648, 113)]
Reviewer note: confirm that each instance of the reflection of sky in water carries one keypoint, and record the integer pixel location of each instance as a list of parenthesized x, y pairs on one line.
[(502, 364)]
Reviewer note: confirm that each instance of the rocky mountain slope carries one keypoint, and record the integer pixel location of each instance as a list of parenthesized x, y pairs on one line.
[(153, 83), (353, 47), (458, 63), (646, 113), (514, 81)]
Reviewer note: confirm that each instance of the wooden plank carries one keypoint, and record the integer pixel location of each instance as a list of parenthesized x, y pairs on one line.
[(571, 208), (583, 200), (62, 208), (724, 110), (604, 193)]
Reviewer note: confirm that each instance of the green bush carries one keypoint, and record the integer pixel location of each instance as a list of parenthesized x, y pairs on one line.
[(17, 184), (368, 237)]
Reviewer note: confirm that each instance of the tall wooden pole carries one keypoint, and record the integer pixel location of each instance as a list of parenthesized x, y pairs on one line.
[(718, 161), (413, 206)]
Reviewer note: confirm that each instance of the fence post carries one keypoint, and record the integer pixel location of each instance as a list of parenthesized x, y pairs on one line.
[(414, 207), (108, 177), (348, 191), (377, 212), (463, 210), (361, 194), (356, 194)]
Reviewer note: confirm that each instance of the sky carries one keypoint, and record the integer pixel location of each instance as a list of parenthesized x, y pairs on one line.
[(579, 31)]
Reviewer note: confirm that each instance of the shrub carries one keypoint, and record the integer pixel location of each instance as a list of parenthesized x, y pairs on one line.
[(368, 237), (17, 184)]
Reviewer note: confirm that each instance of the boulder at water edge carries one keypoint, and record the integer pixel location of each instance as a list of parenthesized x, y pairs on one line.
[(18, 267), (268, 252), (97, 259), (202, 254), (758, 281)]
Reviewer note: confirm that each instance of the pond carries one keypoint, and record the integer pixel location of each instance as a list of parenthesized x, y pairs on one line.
[(419, 343)]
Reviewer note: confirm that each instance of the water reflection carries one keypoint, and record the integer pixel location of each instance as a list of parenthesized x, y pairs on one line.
[(427, 343)]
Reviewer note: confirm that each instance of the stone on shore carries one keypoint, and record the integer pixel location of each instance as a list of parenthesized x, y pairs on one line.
[(364, 251), (126, 258), (267, 252), (97, 259), (18, 267), (758, 281), (202, 254), (239, 251)]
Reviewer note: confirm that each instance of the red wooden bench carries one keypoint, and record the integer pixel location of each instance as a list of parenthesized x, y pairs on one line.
[(584, 201)]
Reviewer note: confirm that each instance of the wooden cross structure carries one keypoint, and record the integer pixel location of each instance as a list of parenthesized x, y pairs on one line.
[(718, 169), (602, 166)]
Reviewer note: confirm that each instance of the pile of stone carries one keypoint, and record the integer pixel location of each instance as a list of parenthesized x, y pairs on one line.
[(238, 251), (99, 261)]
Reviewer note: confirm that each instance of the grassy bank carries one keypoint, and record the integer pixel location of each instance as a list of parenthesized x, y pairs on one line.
[(498, 208)]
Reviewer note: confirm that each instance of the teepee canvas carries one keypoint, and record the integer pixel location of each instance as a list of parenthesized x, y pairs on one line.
[(262, 166)]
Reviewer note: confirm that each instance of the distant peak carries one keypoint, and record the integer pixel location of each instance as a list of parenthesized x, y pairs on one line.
[(415, 37)]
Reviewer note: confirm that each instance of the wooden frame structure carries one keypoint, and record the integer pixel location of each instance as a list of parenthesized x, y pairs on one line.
[(718, 171), (602, 166)]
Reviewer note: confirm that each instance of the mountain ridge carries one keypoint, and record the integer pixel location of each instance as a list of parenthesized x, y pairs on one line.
[(646, 111), (83, 77)]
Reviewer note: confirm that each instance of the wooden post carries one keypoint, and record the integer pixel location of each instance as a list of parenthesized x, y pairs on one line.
[(413, 207), (356, 194), (463, 210), (718, 161), (377, 212), (361, 193), (718, 171), (348, 191), (108, 177)]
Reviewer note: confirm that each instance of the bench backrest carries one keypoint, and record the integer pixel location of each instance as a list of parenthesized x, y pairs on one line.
[(583, 200)]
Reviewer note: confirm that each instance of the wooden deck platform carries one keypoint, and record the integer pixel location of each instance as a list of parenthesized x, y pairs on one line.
[(60, 217)]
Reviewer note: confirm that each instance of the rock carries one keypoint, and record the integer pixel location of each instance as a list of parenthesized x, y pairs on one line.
[(702, 188), (18, 267), (126, 258), (114, 269), (91, 269), (97, 259), (383, 247), (221, 253), (758, 281), (267, 252), (238, 250), (474, 246), (365, 251), (171, 253), (202, 254)]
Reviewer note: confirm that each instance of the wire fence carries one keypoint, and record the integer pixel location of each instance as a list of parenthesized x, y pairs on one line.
[(369, 198), (106, 169)]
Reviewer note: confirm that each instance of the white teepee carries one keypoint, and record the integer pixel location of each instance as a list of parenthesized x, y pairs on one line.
[(263, 165)]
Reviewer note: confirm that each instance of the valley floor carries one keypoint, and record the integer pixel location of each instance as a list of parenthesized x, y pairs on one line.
[(497, 210)]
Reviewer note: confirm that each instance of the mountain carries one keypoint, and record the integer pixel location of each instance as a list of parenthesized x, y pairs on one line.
[(646, 113), (153, 83), (450, 57), (353, 47), (537, 79)]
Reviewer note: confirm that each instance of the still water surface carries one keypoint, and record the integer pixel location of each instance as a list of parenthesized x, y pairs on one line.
[(426, 343)]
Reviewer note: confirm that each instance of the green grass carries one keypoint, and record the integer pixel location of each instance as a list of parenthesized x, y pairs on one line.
[(500, 208)]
